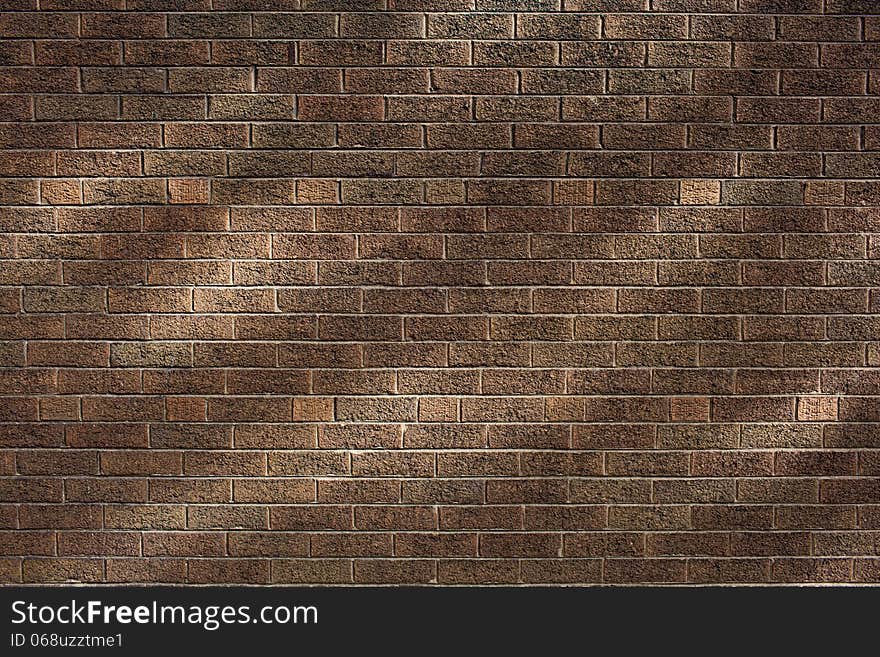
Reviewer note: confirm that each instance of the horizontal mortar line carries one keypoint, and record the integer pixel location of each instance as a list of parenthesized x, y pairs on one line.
[(602, 237), (506, 260), (380, 177), (290, 121), (584, 36), (447, 506), (496, 64), (580, 342), (476, 206), (590, 235), (623, 476), (423, 94), (781, 314), (639, 477), (471, 531), (658, 423), (561, 532), (507, 150), (570, 43), (521, 122), (406, 369), (441, 451), (358, 12)]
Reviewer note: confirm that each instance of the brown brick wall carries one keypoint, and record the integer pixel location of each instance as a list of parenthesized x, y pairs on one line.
[(450, 291)]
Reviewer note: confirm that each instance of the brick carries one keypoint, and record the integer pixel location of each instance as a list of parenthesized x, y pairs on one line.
[(312, 570), (399, 571), (146, 570), (700, 192), (299, 518), (645, 570), (247, 571), (490, 571), (71, 570), (99, 544)]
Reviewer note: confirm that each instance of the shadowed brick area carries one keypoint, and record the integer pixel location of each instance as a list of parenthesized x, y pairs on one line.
[(449, 291)]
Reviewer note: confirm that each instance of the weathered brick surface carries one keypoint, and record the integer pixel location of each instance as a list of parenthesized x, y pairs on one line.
[(471, 291)]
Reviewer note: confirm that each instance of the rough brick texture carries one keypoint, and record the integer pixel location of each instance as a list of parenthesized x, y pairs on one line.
[(453, 291)]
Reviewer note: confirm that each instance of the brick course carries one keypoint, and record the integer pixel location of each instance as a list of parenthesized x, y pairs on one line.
[(449, 292)]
